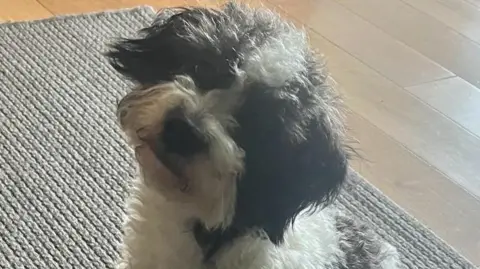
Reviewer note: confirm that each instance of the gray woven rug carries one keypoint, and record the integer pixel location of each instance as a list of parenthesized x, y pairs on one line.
[(64, 168)]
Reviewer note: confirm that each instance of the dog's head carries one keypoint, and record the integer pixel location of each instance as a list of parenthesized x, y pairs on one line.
[(232, 115)]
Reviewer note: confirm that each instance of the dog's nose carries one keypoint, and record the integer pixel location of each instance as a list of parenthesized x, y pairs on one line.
[(182, 137)]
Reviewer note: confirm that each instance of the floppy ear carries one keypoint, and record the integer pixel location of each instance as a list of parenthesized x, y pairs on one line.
[(150, 58), (180, 41), (294, 154)]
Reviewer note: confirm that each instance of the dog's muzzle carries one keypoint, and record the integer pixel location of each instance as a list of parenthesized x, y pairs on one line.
[(180, 140)]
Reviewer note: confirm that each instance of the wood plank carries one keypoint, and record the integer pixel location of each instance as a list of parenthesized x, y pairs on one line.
[(459, 15), (75, 7), (421, 190), (455, 98), (383, 53), (474, 2), (424, 131), (424, 34), (22, 10)]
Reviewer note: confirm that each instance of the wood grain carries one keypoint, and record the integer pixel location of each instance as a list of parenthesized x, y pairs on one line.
[(22, 10), (394, 167), (417, 187), (459, 15), (82, 6), (474, 2), (423, 33), (383, 53), (455, 98)]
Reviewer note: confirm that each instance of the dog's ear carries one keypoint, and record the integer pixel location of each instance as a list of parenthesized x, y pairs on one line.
[(150, 57), (294, 153), (180, 41)]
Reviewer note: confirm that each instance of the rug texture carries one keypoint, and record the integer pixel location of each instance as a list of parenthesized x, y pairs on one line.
[(65, 169)]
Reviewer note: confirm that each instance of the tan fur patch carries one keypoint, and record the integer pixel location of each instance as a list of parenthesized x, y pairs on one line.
[(208, 183)]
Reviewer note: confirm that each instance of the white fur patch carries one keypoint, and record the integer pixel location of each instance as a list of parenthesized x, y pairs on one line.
[(311, 243), (391, 260), (154, 238), (279, 59)]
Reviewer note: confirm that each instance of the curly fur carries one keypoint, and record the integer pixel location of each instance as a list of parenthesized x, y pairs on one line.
[(240, 142)]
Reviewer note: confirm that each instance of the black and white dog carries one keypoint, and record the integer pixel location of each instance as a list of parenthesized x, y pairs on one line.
[(240, 143)]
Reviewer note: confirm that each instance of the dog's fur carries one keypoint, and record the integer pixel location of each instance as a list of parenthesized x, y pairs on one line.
[(240, 143)]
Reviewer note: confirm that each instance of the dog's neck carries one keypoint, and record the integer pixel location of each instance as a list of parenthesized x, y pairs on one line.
[(211, 241)]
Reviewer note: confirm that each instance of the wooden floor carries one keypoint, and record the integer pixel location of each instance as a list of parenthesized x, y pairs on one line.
[(410, 73)]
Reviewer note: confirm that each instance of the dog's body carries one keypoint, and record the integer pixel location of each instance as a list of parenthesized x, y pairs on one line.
[(325, 240), (240, 146)]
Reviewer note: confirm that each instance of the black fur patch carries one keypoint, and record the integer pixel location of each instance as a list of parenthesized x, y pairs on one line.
[(282, 177), (164, 51)]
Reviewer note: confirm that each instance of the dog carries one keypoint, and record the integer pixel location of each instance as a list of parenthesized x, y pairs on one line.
[(241, 147)]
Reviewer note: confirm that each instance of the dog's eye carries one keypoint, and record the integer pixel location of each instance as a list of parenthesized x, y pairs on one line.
[(181, 137)]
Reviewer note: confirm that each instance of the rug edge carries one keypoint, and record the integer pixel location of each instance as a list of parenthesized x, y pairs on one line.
[(140, 8), (421, 227)]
